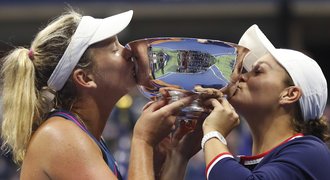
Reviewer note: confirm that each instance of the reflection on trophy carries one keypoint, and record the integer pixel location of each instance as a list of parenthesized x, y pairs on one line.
[(179, 64)]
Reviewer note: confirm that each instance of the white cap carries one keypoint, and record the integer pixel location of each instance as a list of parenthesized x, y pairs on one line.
[(303, 70), (89, 31)]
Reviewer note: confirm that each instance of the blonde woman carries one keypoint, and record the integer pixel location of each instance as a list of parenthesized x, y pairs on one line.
[(58, 94)]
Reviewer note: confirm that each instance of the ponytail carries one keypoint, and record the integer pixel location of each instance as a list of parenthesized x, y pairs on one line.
[(24, 81), (19, 102)]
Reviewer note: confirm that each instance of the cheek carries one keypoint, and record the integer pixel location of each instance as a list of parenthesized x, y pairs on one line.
[(266, 93), (113, 76), (257, 93), (117, 77), (109, 66), (107, 73), (263, 86)]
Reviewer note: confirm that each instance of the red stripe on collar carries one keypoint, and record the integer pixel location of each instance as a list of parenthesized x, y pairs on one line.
[(257, 158)]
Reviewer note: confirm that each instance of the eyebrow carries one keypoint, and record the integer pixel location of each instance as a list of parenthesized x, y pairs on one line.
[(110, 42), (105, 43), (262, 62)]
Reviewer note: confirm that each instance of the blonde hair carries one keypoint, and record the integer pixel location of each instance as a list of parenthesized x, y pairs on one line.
[(23, 79)]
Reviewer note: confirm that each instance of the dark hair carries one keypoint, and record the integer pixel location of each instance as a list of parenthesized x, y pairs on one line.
[(316, 127)]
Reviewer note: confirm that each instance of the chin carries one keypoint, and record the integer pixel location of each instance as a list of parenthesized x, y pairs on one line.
[(235, 101), (232, 98)]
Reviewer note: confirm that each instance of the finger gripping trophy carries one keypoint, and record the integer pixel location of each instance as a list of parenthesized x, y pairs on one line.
[(178, 65)]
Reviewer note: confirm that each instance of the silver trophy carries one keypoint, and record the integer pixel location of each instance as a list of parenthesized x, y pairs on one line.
[(179, 64)]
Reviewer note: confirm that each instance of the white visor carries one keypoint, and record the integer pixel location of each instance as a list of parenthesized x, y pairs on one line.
[(303, 70), (89, 31)]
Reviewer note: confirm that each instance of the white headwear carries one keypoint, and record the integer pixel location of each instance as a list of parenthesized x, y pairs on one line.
[(303, 70), (89, 31)]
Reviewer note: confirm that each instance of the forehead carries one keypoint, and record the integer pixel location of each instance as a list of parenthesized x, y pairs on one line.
[(271, 64), (99, 47), (105, 42), (268, 60)]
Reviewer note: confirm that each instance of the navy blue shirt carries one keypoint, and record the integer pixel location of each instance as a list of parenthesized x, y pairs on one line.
[(299, 157)]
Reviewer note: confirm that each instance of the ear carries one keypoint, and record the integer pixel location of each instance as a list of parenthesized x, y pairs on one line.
[(83, 78), (290, 95)]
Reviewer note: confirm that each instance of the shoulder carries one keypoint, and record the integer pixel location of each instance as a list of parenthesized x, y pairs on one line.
[(306, 144), (59, 130), (59, 134), (306, 151), (59, 141)]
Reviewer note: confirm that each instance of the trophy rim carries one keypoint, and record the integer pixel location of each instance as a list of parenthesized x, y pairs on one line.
[(152, 39), (240, 50)]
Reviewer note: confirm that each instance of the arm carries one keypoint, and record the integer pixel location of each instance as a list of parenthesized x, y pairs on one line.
[(290, 162), (153, 126), (174, 166), (141, 160), (222, 119), (183, 144)]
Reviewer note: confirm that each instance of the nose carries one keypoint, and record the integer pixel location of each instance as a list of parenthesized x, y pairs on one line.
[(243, 77)]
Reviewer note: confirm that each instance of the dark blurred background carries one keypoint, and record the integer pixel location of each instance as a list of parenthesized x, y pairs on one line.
[(297, 24)]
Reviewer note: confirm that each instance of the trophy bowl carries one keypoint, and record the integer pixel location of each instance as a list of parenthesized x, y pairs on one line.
[(178, 64)]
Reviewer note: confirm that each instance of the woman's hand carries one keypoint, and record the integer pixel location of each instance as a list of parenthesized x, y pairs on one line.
[(223, 118), (173, 153), (154, 124), (182, 142), (157, 120), (187, 143)]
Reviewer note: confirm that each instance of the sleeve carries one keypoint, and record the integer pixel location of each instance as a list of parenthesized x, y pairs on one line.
[(224, 166), (229, 168), (293, 162)]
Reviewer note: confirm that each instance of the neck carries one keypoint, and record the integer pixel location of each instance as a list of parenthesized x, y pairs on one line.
[(94, 114), (269, 132)]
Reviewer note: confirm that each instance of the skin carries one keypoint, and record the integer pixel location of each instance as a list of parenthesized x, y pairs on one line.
[(266, 102), (178, 149), (52, 152), (169, 152), (146, 136)]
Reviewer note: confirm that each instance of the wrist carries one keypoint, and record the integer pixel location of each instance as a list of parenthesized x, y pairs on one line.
[(213, 134), (208, 129), (141, 159), (141, 142), (178, 157), (142, 137), (174, 166)]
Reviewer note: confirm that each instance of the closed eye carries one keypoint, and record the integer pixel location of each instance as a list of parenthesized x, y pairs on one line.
[(257, 69)]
